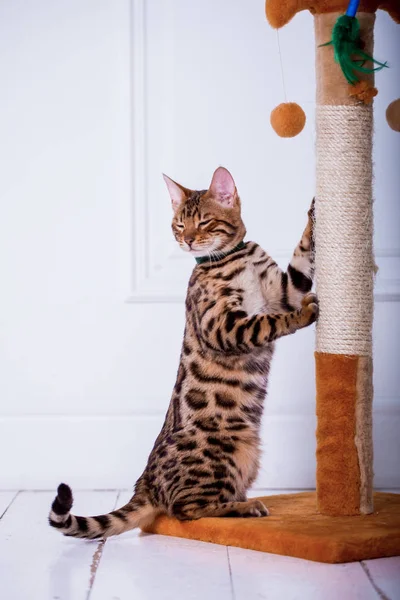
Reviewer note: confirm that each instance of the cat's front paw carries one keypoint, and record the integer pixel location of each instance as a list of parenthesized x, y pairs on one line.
[(308, 237), (311, 211), (310, 308), (256, 508)]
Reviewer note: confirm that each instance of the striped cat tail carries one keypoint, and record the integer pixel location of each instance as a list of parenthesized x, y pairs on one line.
[(128, 517)]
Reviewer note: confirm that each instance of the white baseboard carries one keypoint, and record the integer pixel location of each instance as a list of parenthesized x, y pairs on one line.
[(96, 452)]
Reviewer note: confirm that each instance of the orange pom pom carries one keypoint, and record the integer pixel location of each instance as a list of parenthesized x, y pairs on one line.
[(393, 115), (288, 119)]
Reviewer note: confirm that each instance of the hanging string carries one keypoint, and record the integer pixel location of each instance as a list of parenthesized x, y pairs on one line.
[(280, 60)]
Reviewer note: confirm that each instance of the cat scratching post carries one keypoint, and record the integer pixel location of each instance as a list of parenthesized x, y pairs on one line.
[(344, 263), (345, 281), (337, 524)]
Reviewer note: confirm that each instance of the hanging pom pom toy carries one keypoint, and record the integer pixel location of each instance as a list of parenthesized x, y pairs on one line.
[(393, 115), (288, 119), (348, 47)]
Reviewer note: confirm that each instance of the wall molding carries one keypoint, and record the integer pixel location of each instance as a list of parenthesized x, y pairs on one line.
[(97, 452), (145, 281), (383, 405), (387, 287), (120, 447), (166, 281), (137, 231)]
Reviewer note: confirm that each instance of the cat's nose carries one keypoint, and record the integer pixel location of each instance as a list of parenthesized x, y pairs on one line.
[(189, 240)]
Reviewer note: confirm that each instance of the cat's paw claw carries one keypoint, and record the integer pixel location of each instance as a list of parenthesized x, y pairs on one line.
[(311, 211), (310, 307), (258, 509), (308, 299)]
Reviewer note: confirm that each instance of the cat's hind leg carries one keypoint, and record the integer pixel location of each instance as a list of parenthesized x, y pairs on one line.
[(248, 508)]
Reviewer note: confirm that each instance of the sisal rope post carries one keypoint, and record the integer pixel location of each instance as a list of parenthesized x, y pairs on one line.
[(344, 229)]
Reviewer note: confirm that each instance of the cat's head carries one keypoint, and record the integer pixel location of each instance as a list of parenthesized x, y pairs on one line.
[(207, 221)]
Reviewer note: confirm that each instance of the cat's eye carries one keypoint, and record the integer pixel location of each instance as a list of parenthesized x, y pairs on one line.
[(179, 226), (204, 223)]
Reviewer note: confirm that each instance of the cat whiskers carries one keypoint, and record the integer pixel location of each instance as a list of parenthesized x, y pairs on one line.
[(212, 254)]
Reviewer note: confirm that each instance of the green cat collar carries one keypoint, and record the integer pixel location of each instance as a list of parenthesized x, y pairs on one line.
[(219, 255)]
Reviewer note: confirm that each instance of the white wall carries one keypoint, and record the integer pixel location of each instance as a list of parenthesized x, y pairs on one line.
[(98, 98)]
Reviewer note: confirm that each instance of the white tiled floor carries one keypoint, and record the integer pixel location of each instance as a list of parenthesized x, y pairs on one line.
[(36, 563)]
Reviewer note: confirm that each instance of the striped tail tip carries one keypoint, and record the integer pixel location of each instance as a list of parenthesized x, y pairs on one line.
[(59, 515), (100, 526)]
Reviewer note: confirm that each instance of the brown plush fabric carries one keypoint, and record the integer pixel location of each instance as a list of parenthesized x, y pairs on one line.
[(332, 86), (338, 472), (294, 528), (363, 438), (280, 12)]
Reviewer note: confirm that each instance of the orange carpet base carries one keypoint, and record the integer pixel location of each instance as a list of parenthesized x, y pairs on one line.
[(294, 528)]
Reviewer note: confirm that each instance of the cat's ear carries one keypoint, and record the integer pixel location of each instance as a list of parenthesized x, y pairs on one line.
[(223, 187), (177, 192)]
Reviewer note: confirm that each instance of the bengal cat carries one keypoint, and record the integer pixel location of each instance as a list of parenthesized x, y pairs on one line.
[(238, 303)]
